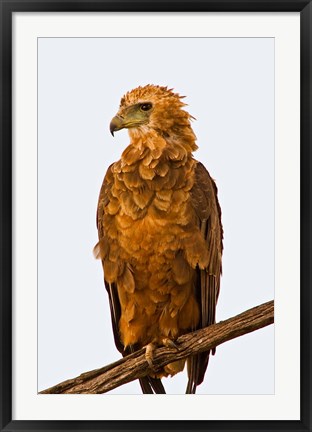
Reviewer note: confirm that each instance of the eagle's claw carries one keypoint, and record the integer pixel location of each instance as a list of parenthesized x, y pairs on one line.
[(149, 354), (168, 343)]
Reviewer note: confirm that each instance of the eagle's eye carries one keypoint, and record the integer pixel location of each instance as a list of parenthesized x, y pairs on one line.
[(146, 106)]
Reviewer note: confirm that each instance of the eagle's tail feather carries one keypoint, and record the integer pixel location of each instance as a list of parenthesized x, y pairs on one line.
[(151, 385), (196, 367)]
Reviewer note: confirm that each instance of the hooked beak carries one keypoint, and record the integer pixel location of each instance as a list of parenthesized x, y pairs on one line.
[(116, 124)]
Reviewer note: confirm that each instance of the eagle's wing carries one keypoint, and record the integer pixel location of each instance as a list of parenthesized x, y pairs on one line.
[(205, 203), (148, 384)]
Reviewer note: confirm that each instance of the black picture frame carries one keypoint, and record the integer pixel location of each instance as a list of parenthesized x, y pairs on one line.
[(8, 7)]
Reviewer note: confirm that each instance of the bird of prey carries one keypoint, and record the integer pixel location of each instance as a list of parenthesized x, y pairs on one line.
[(160, 233)]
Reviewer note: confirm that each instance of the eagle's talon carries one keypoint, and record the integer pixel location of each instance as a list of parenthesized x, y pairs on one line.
[(149, 354), (168, 343)]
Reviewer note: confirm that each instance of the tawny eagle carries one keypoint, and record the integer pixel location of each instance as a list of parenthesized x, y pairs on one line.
[(160, 233)]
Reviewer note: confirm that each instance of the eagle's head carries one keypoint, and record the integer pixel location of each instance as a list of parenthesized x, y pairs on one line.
[(151, 107)]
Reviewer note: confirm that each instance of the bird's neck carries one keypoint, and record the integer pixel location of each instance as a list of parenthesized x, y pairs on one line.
[(150, 144)]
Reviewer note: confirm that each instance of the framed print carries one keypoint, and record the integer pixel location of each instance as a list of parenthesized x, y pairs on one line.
[(236, 77)]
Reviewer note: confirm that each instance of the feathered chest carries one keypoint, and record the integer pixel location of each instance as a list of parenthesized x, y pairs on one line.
[(149, 200), (150, 182)]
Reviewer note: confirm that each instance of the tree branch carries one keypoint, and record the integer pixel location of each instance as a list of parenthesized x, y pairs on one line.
[(135, 366)]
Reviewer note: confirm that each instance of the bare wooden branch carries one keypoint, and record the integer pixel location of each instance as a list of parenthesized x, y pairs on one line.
[(135, 365)]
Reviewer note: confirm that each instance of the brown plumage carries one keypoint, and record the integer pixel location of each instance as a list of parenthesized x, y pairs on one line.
[(160, 233)]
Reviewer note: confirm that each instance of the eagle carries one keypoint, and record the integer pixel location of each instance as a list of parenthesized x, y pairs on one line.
[(160, 234)]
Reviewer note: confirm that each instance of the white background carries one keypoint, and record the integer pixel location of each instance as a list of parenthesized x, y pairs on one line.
[(229, 85), (79, 93)]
